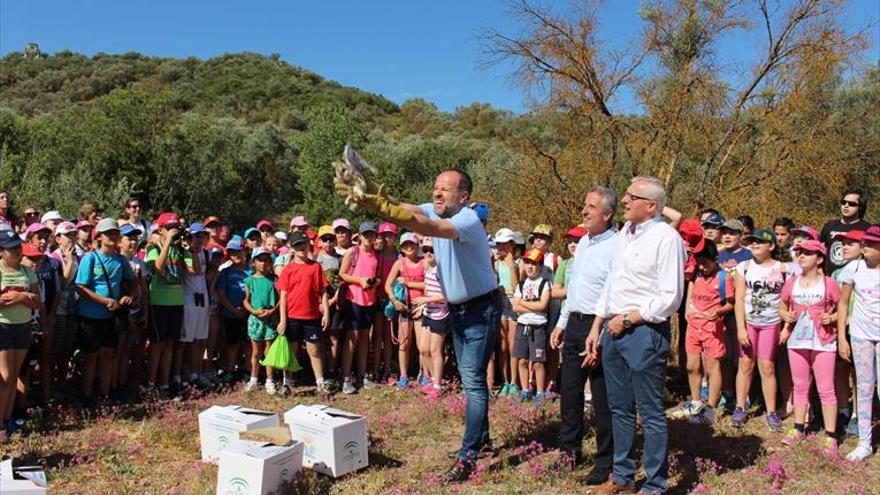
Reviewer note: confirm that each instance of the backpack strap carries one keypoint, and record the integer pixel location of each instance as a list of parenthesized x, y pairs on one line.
[(722, 286), (746, 267)]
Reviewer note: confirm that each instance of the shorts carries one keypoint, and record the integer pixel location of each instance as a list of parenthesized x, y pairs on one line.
[(15, 337), (167, 322), (195, 323), (64, 334), (439, 327), (94, 334), (706, 341), (338, 321), (304, 330), (259, 329), (530, 343), (507, 308), (235, 330), (764, 340), (359, 317)]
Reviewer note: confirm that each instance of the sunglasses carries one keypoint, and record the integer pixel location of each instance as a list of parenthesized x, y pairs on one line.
[(427, 249), (851, 204), (328, 239), (31, 213), (542, 237)]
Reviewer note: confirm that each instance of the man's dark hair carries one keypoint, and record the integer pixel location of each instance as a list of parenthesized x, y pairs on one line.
[(784, 222), (863, 200), (748, 222), (464, 180)]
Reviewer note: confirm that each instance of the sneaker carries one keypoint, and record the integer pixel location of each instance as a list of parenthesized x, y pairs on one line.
[(738, 419), (203, 381), (513, 391), (852, 427), (704, 392), (525, 396), (829, 447), (550, 395), (403, 383), (270, 388), (727, 403), (860, 453), (433, 394), (331, 386), (773, 422), (685, 410), (251, 385), (369, 384), (792, 437), (348, 388), (505, 390), (459, 472), (424, 380), (539, 399), (705, 416)]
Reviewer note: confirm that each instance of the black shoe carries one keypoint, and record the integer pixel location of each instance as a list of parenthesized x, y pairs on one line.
[(595, 478), (459, 472)]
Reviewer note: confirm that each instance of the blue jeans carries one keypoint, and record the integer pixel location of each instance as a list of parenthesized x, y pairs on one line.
[(635, 369), (474, 328)]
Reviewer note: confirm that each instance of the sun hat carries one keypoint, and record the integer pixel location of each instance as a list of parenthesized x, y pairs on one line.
[(341, 222), (325, 230), (692, 234), (504, 235), (386, 227), (51, 215)]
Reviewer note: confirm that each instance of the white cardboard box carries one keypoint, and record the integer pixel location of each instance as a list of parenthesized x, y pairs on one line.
[(257, 468), (22, 480), (220, 425), (335, 441)]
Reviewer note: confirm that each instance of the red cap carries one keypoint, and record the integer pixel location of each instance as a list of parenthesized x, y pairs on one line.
[(872, 234), (30, 250), (692, 232), (852, 235), (534, 255), (311, 234), (210, 220), (812, 246), (577, 232), (387, 227), (168, 218)]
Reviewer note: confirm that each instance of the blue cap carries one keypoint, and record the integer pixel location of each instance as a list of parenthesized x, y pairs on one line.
[(714, 219), (248, 232), (482, 211), (196, 227), (235, 243), (368, 227), (128, 229), (261, 250), (8, 239)]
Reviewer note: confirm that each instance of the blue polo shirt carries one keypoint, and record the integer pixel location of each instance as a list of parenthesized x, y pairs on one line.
[(463, 265), (95, 271)]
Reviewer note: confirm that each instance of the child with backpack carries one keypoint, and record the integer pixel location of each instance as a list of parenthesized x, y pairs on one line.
[(409, 270), (710, 297), (808, 305), (531, 299), (759, 283)]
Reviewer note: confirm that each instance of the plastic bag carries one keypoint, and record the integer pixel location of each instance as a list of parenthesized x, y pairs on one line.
[(280, 356)]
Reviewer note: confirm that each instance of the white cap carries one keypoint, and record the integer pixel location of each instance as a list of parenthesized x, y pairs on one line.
[(51, 215), (281, 235), (504, 235), (65, 228), (518, 238)]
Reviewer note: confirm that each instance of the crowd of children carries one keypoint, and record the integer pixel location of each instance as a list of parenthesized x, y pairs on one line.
[(164, 307)]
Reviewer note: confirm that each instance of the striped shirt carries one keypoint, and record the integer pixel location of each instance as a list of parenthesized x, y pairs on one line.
[(434, 311)]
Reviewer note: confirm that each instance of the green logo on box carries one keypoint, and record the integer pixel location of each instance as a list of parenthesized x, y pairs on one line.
[(351, 450), (238, 485), (222, 442)]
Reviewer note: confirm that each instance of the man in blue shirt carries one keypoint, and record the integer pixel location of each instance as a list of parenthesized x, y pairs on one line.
[(592, 263), (470, 286)]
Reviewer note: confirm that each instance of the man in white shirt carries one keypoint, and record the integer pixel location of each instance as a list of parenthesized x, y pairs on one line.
[(643, 290)]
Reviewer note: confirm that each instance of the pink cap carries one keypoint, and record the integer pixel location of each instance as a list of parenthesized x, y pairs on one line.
[(813, 247), (264, 223), (341, 222), (872, 234), (84, 224), (34, 228), (410, 237), (299, 221), (65, 228), (283, 250), (387, 227), (806, 231)]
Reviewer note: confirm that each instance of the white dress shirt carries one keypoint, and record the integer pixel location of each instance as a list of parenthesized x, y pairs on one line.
[(647, 272)]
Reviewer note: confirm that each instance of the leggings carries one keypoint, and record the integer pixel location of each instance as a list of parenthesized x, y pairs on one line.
[(821, 363), (866, 359)]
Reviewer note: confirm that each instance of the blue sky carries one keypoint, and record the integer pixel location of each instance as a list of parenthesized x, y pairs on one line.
[(400, 49)]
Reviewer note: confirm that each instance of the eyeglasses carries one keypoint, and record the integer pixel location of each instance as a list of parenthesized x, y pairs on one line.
[(851, 204), (633, 197), (427, 250)]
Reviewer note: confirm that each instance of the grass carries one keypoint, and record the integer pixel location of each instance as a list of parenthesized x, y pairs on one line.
[(154, 448)]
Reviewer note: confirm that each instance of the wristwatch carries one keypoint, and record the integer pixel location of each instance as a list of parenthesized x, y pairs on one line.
[(627, 323)]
